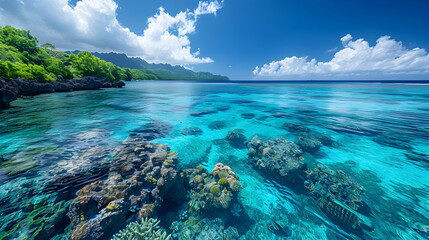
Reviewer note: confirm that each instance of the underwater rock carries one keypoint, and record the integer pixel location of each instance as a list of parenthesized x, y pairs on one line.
[(236, 139), (142, 175), (153, 130), (295, 127), (191, 131), (308, 143), (10, 91), (6, 96), (392, 142), (280, 159), (217, 125), (247, 115)]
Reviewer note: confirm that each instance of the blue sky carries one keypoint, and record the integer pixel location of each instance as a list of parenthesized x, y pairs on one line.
[(236, 36)]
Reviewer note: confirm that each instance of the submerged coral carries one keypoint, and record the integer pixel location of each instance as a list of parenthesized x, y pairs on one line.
[(339, 196), (278, 158), (236, 139), (235, 210), (203, 229), (148, 229), (335, 192), (142, 176), (191, 131), (214, 192), (217, 125)]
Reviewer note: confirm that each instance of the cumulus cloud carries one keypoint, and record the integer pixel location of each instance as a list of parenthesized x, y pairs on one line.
[(92, 25), (356, 59)]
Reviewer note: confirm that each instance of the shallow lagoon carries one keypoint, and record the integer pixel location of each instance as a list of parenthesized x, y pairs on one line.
[(45, 135)]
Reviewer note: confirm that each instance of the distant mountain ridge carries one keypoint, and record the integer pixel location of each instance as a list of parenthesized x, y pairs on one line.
[(162, 71)]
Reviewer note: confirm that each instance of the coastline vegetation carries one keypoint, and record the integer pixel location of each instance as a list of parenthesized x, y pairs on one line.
[(22, 56)]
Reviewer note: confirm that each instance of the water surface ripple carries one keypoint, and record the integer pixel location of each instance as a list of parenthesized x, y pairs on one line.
[(382, 131)]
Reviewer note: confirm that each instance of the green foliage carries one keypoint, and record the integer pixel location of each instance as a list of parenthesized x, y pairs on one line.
[(159, 71), (20, 39), (215, 189), (20, 56), (147, 229), (48, 46), (169, 75), (142, 75)]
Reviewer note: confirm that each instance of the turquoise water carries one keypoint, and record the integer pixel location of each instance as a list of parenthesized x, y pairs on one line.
[(43, 137)]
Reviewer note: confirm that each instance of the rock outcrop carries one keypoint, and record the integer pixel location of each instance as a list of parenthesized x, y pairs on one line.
[(10, 91)]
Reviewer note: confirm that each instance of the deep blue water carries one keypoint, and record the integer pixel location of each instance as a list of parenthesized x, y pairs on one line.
[(51, 130)]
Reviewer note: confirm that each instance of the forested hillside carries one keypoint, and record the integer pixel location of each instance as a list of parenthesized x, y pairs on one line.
[(161, 71), (22, 56)]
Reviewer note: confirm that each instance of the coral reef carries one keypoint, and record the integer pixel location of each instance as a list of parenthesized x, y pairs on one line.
[(142, 176), (195, 131), (203, 229), (308, 142), (217, 125), (278, 158), (295, 127), (337, 194), (148, 229), (207, 193), (236, 139), (307, 139)]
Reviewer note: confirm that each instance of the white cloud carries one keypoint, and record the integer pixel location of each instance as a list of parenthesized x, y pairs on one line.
[(356, 60), (346, 39), (92, 25)]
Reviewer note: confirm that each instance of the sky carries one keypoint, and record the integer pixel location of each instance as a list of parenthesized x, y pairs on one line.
[(243, 39)]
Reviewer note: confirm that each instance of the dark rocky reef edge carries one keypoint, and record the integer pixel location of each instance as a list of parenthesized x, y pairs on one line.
[(16, 88)]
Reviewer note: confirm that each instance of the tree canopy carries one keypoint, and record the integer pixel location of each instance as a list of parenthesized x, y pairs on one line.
[(21, 56)]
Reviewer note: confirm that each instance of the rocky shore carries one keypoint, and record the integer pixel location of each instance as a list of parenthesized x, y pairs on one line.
[(12, 90)]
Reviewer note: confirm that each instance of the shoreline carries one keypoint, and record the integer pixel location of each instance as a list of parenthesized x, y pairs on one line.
[(16, 88)]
